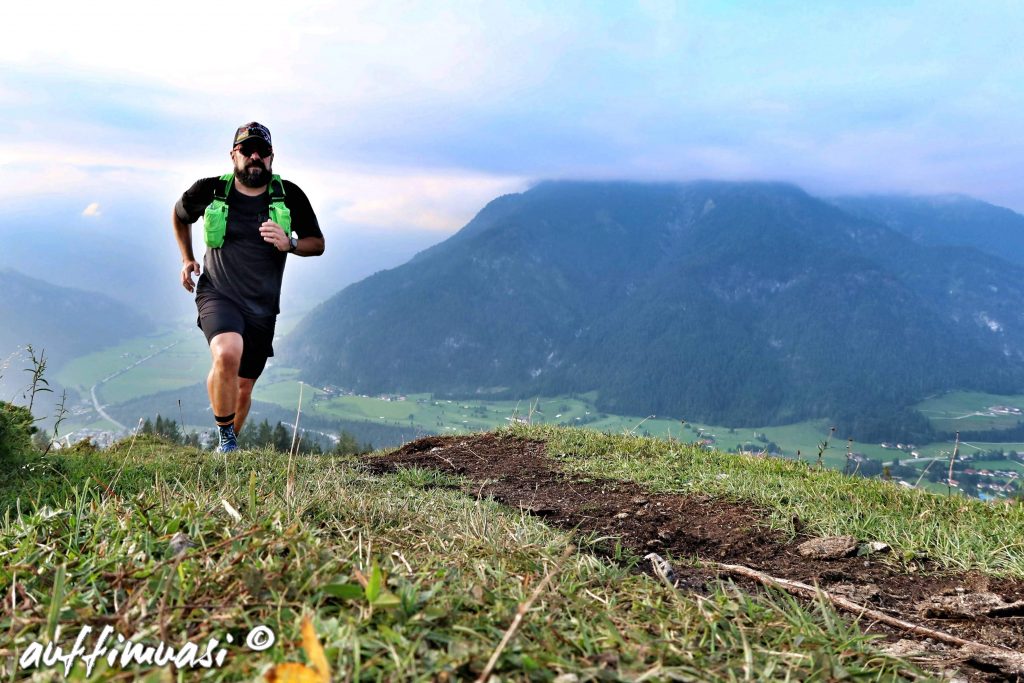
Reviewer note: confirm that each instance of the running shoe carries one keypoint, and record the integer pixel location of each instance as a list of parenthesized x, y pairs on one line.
[(228, 440)]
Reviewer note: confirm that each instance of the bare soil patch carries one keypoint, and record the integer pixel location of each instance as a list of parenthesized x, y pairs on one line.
[(519, 473)]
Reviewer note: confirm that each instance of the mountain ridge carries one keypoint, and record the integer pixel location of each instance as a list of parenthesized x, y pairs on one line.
[(726, 302), (65, 321), (953, 220)]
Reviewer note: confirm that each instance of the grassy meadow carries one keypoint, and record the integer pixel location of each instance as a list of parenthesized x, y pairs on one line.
[(969, 411), (407, 578)]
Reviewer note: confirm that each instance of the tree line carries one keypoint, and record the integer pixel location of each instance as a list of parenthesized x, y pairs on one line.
[(262, 435)]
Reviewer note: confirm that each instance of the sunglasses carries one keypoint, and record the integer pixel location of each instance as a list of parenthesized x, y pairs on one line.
[(258, 146)]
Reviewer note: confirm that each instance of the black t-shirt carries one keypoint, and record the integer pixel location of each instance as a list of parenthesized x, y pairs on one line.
[(246, 269)]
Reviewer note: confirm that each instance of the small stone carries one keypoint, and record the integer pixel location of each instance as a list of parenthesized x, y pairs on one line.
[(622, 515), (830, 548), (873, 547), (903, 648), (856, 592), (969, 606)]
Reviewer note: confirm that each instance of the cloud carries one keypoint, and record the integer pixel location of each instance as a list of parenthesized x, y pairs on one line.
[(403, 199), (417, 111), (393, 198)]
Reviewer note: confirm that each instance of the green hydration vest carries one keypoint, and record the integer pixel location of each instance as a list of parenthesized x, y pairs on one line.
[(215, 220)]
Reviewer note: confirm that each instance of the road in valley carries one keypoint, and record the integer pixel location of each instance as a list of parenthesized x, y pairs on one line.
[(92, 390)]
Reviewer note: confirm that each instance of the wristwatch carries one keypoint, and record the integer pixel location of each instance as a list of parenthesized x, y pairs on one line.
[(294, 244)]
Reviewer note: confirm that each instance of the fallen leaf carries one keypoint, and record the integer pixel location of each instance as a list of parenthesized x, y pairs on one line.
[(290, 672)]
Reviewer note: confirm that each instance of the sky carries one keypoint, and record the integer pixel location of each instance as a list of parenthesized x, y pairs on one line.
[(410, 116)]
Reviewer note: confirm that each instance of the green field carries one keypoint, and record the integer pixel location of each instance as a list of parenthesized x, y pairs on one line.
[(164, 361), (146, 365), (180, 366), (184, 364), (970, 411), (459, 416), (1007, 465)]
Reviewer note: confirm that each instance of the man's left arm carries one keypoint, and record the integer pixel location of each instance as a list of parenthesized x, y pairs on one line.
[(304, 226), (309, 246), (273, 233)]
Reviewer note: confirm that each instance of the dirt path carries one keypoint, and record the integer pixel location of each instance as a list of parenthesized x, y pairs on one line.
[(519, 473)]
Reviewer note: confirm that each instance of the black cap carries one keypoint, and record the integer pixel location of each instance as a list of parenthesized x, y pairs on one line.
[(252, 130)]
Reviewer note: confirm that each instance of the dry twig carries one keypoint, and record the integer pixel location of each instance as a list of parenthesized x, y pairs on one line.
[(1011, 659)]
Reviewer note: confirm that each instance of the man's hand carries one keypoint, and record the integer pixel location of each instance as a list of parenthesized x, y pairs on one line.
[(186, 275), (273, 233)]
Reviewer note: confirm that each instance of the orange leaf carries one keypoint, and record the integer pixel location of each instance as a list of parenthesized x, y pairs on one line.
[(314, 651), (318, 672), (292, 673)]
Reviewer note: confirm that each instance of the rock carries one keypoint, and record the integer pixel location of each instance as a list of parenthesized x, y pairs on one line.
[(873, 547), (857, 592), (1010, 665), (622, 515), (969, 606), (830, 548), (904, 648), (661, 567)]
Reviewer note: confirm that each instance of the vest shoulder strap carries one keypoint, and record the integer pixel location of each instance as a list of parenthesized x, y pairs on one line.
[(276, 189), (221, 191)]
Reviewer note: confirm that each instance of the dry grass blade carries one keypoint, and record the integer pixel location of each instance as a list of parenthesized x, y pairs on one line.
[(127, 455), (520, 614), (295, 427), (230, 509)]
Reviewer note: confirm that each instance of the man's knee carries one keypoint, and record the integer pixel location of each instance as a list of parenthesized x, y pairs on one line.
[(245, 386), (226, 349)]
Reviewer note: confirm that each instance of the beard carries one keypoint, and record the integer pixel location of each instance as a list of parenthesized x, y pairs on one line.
[(255, 174)]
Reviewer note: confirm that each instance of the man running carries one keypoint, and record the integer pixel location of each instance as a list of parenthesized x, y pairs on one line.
[(252, 220)]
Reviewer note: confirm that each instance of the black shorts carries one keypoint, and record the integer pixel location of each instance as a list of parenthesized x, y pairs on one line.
[(218, 314)]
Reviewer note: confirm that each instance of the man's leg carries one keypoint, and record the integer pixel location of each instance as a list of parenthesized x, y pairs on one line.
[(245, 386), (257, 346), (223, 381)]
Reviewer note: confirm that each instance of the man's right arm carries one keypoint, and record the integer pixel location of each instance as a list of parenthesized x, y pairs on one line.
[(183, 234), (191, 205)]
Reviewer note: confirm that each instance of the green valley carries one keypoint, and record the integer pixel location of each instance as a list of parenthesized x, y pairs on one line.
[(173, 365)]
